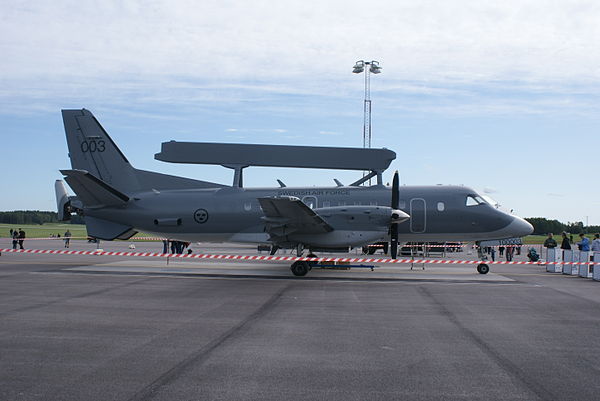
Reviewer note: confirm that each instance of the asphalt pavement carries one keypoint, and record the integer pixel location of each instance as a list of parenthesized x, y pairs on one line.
[(115, 328)]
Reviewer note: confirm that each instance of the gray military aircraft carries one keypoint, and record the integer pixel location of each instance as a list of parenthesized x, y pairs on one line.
[(119, 200)]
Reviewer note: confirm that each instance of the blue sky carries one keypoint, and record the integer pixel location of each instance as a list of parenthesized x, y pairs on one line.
[(503, 97)]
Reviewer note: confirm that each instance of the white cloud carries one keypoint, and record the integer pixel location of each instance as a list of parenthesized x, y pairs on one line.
[(190, 53), (232, 39)]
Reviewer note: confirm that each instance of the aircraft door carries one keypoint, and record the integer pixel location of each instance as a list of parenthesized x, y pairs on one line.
[(310, 201), (418, 216)]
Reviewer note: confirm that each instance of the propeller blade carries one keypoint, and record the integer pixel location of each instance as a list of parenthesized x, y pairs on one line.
[(395, 206), (395, 191)]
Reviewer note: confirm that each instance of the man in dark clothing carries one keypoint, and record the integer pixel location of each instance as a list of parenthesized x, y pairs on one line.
[(566, 244), (15, 238), (550, 242), (21, 238), (510, 250)]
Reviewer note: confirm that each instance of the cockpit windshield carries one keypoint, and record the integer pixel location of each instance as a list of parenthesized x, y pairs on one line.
[(474, 200), (491, 201)]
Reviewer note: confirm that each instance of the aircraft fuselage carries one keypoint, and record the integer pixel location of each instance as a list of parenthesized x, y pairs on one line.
[(438, 213)]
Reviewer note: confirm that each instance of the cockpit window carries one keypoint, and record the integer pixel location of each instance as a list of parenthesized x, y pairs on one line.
[(491, 201), (474, 200)]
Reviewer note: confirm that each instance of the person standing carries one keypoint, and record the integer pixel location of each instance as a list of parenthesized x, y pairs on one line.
[(67, 238), (565, 244), (584, 244), (510, 250), (501, 251), (21, 238), (15, 239), (596, 243), (550, 241), (11, 232), (165, 245)]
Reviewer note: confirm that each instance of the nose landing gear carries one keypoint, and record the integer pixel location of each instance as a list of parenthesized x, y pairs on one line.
[(482, 268)]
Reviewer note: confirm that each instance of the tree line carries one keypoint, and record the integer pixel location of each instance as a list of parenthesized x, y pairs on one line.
[(543, 226), (35, 217)]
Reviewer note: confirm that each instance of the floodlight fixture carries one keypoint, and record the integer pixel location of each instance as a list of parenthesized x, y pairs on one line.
[(375, 68), (359, 67)]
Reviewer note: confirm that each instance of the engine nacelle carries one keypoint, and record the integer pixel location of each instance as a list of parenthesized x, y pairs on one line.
[(361, 217)]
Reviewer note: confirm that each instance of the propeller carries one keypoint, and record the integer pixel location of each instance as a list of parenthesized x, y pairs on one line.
[(394, 225)]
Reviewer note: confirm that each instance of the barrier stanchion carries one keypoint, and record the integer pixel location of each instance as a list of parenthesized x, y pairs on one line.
[(569, 267), (596, 272), (554, 260), (584, 264)]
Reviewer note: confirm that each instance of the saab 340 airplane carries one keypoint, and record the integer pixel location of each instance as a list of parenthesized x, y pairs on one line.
[(119, 200)]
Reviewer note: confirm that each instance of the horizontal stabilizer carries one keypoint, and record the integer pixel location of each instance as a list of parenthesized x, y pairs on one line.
[(107, 230), (92, 191)]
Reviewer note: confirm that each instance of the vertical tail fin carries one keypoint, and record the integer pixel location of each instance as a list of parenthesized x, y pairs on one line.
[(91, 149)]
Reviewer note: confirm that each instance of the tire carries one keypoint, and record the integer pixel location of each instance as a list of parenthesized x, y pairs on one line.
[(300, 268), (482, 268)]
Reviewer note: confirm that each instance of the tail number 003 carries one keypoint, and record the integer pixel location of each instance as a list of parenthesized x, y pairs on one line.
[(92, 146)]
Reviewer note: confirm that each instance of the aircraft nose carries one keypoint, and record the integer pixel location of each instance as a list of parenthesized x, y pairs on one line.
[(521, 227)]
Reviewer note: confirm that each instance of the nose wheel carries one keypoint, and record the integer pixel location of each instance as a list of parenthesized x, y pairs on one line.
[(483, 268)]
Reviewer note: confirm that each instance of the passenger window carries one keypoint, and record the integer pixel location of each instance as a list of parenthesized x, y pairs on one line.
[(402, 204), (248, 206), (326, 204), (441, 206)]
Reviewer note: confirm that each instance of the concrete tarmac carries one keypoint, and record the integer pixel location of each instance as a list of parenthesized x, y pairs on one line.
[(114, 328)]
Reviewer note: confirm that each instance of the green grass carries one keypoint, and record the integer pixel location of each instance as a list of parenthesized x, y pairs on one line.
[(539, 239), (44, 230)]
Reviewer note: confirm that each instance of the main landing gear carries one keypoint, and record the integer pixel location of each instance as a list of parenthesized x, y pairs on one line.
[(300, 268)]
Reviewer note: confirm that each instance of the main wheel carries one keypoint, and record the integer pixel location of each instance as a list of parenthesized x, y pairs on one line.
[(300, 268), (482, 268)]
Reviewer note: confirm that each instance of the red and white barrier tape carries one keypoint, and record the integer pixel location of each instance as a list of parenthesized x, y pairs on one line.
[(281, 258), (82, 238)]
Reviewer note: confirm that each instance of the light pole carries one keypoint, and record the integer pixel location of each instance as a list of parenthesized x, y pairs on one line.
[(368, 67)]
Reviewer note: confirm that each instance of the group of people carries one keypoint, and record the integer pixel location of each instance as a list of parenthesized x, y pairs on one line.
[(582, 245), (18, 237), (510, 251), (176, 246)]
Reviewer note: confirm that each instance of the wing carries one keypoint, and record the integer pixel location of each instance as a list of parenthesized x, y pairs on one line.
[(289, 215)]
